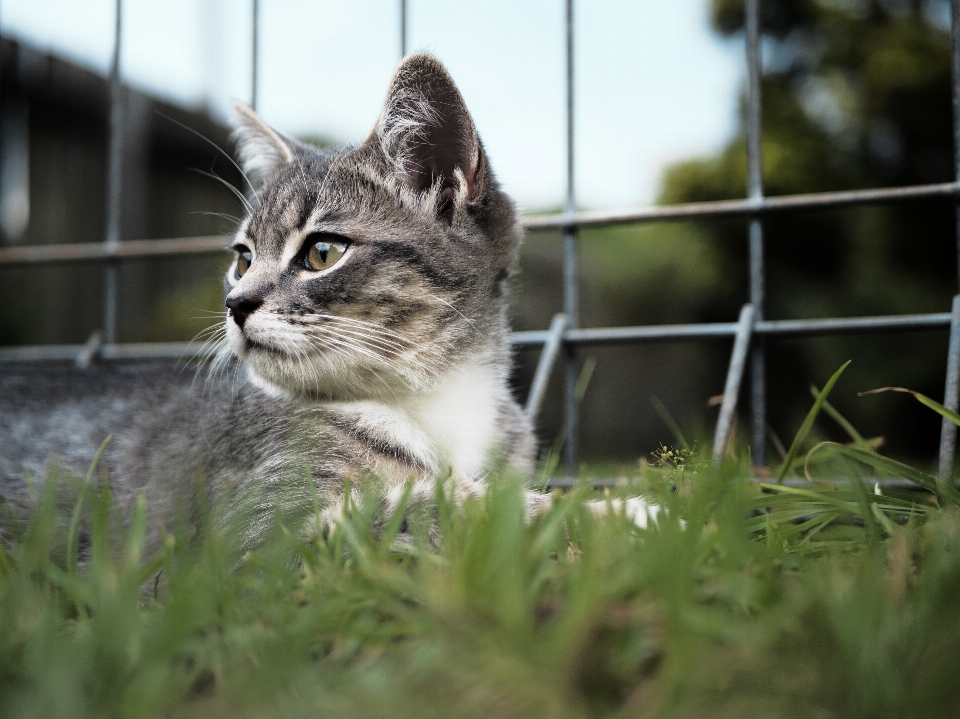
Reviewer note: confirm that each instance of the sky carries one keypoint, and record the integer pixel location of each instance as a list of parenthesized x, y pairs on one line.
[(653, 85)]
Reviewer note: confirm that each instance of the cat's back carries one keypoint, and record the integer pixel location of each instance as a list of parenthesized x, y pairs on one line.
[(61, 411), (63, 414)]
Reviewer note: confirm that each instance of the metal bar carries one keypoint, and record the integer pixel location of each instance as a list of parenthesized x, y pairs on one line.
[(742, 208), (951, 398), (571, 300), (548, 358), (90, 351), (731, 390), (767, 328), (851, 325), (119, 352), (99, 251), (754, 149), (951, 393), (82, 251), (593, 336), (758, 380), (403, 29), (620, 335), (889, 483), (114, 187), (955, 77), (254, 53)]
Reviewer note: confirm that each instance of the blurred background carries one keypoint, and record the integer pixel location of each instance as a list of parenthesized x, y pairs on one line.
[(856, 94)]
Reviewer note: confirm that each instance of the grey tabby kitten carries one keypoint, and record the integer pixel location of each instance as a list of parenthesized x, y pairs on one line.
[(367, 306)]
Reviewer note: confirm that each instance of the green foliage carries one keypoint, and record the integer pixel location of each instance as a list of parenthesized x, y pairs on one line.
[(855, 93), (745, 599)]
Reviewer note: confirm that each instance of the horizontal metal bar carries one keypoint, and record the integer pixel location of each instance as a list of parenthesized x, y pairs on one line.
[(740, 208), (127, 351), (616, 335), (99, 251), (852, 325), (888, 483), (775, 328), (594, 336), (92, 252)]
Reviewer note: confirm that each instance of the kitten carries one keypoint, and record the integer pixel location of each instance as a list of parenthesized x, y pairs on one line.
[(367, 306)]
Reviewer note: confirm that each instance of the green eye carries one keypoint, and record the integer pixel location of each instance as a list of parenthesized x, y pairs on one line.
[(324, 254), (244, 258)]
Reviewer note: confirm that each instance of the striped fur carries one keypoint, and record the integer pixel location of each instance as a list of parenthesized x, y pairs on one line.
[(389, 366)]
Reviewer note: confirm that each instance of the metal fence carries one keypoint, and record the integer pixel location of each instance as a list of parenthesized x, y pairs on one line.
[(564, 335)]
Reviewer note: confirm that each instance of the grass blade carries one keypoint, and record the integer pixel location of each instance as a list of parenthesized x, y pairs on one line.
[(72, 535), (923, 399), (878, 461), (857, 438), (808, 423), (668, 420)]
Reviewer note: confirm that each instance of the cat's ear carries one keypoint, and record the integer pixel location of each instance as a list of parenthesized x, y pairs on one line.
[(426, 132), (261, 150)]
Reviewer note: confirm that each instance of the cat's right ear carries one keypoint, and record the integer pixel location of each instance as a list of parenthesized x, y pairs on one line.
[(261, 150), (427, 135)]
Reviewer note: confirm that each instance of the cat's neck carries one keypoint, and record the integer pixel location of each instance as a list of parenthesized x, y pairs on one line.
[(454, 426)]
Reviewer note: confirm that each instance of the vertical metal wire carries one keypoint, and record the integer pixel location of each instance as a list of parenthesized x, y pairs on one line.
[(951, 393), (403, 29), (758, 380), (114, 171), (955, 76), (951, 397), (254, 53), (571, 300)]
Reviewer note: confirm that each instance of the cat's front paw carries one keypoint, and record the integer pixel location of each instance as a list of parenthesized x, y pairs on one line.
[(637, 509)]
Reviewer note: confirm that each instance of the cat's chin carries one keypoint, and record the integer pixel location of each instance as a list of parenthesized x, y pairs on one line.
[(323, 375), (287, 377), (267, 386)]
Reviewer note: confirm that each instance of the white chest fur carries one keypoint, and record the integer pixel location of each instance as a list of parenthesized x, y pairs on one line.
[(454, 427)]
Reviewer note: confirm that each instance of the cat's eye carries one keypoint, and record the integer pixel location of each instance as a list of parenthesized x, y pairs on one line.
[(244, 258), (324, 251)]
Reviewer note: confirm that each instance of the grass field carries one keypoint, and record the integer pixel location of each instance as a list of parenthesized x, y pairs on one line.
[(743, 601)]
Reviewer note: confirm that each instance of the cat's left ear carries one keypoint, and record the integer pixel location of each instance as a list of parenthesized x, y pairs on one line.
[(262, 151), (427, 134)]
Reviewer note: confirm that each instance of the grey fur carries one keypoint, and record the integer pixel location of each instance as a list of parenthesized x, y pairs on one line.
[(327, 360)]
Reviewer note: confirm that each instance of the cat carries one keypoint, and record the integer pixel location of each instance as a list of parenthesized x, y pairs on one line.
[(366, 317)]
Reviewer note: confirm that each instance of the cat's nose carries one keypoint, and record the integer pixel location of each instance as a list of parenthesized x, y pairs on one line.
[(241, 307)]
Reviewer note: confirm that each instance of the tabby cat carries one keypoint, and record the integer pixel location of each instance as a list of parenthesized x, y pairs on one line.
[(367, 314)]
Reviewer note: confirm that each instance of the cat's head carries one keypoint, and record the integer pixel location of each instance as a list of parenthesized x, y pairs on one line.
[(375, 269)]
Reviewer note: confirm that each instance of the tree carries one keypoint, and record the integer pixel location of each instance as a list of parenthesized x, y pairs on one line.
[(855, 94)]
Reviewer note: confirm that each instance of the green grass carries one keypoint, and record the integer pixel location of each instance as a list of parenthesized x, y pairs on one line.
[(827, 602)]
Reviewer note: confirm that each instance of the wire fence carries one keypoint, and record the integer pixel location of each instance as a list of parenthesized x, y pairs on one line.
[(565, 336)]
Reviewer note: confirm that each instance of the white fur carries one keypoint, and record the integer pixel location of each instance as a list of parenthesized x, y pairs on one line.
[(453, 427)]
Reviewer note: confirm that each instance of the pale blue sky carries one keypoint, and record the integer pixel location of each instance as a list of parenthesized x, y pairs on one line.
[(653, 85)]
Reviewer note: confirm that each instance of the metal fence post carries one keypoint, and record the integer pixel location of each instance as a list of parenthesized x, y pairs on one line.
[(951, 398), (955, 91), (758, 380), (731, 390), (570, 271), (254, 53), (403, 29), (114, 188), (951, 392)]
